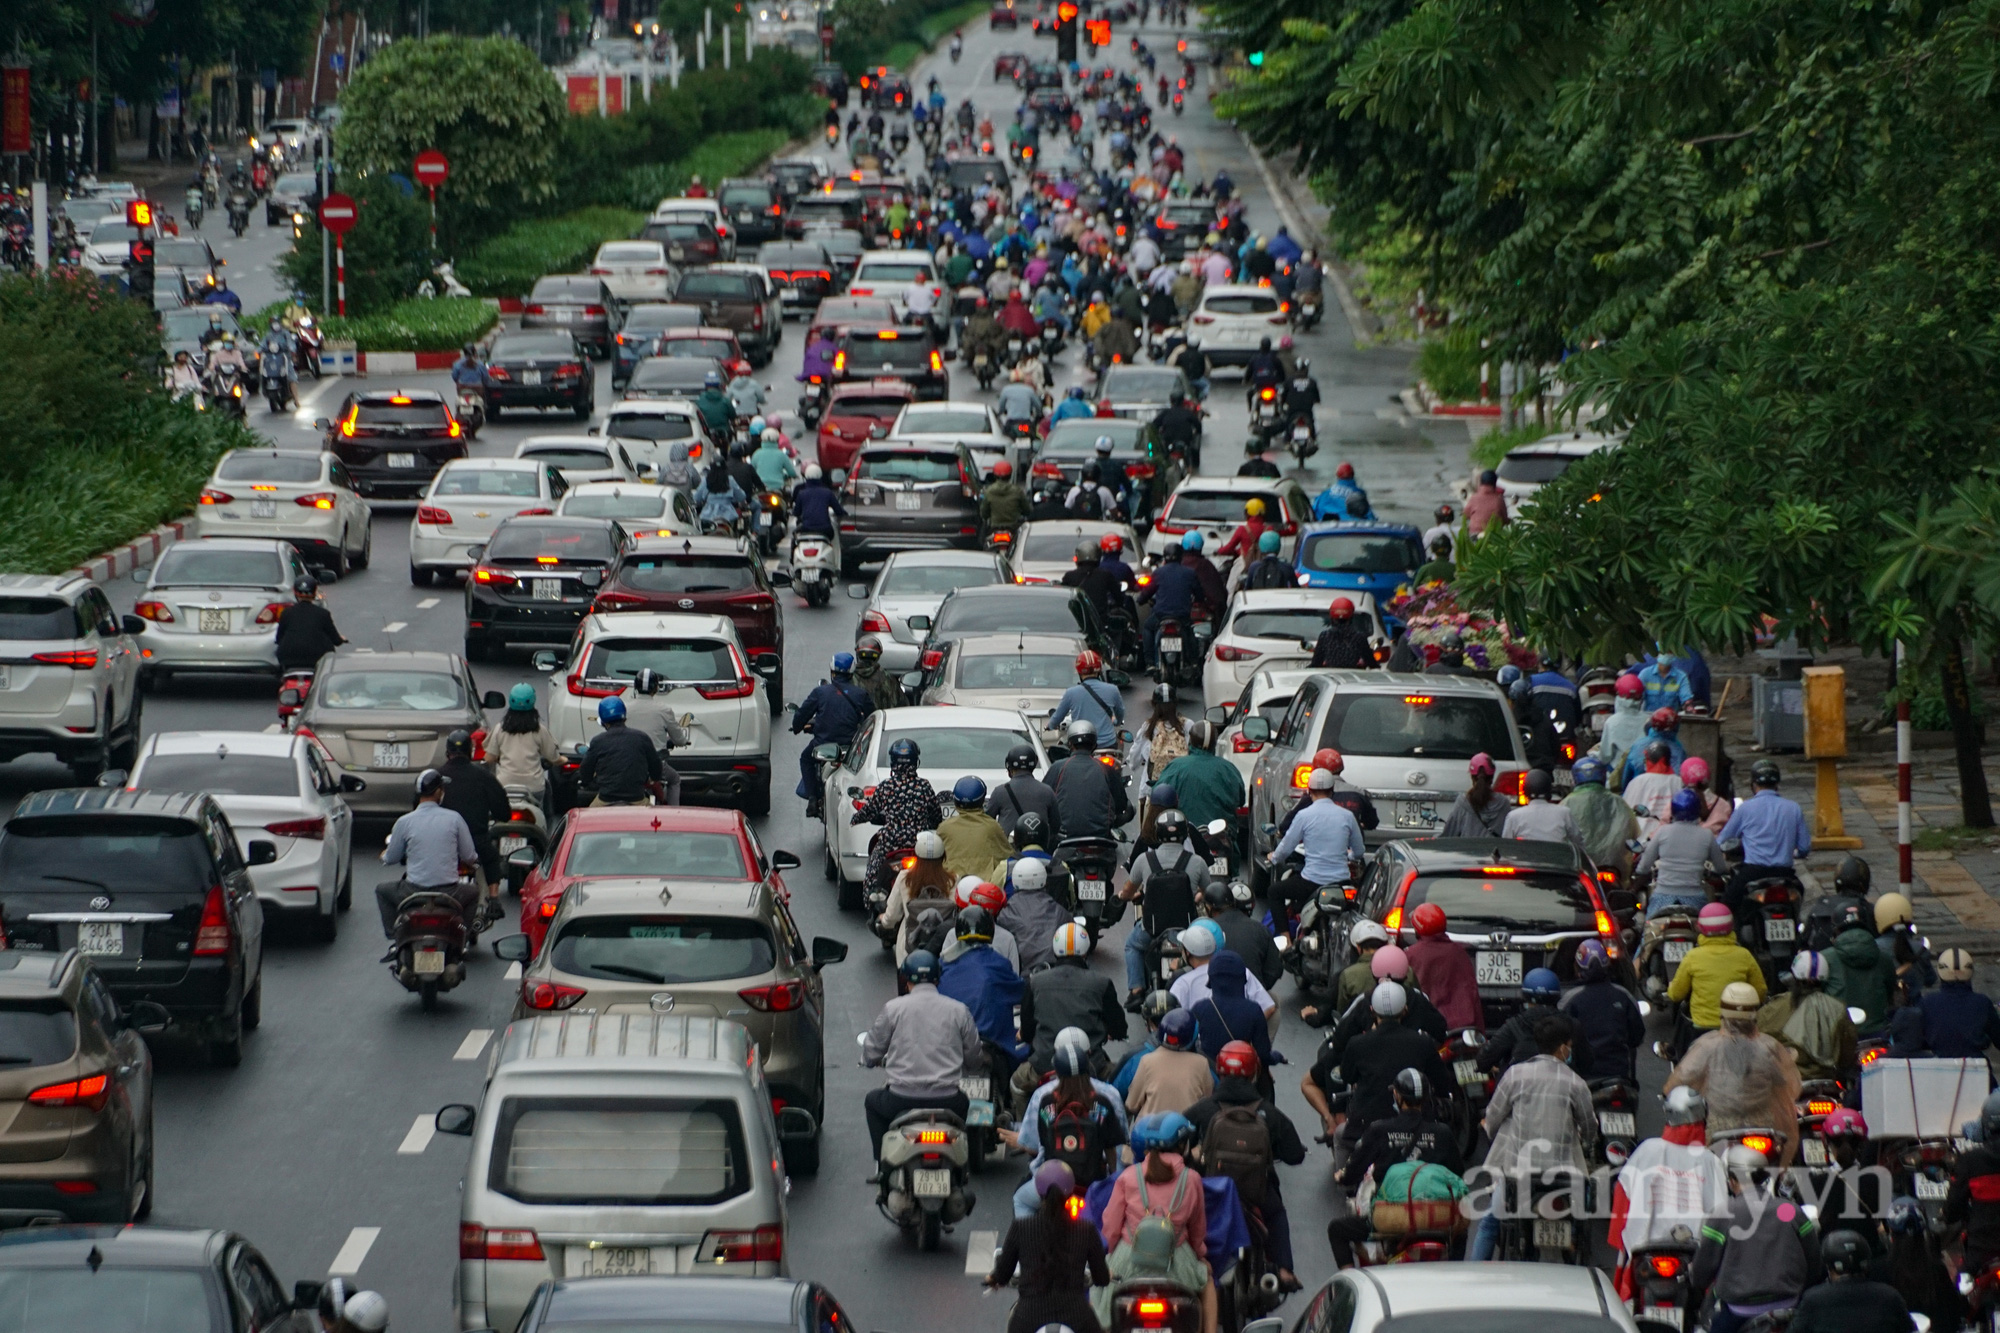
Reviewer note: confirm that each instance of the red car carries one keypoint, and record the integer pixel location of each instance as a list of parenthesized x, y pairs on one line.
[(626, 842), (1009, 64), (1003, 16), (713, 344), (857, 413)]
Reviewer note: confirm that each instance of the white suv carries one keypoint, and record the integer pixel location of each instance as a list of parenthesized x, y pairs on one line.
[(704, 682), (69, 674)]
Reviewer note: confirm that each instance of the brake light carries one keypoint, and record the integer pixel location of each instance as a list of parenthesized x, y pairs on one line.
[(432, 514), (593, 310), (1244, 745), (1817, 1107), (298, 828), (1665, 1265), (1203, 319), (498, 578), (347, 427), (840, 361), (213, 936), (548, 995), (1170, 529), (1139, 470), (534, 513), (1869, 1057), (476, 1242), (583, 689), (317, 500), (595, 269), (933, 658), (534, 310), (569, 370), (1288, 529), (1151, 1309), (1757, 1142), (1509, 785), (1773, 893), (1300, 774), (739, 688), (498, 373), (1052, 471), (765, 1245), (778, 999), (1604, 926), (211, 496), (874, 622), (937, 361), (156, 611), (76, 661), (90, 1093), (269, 615)]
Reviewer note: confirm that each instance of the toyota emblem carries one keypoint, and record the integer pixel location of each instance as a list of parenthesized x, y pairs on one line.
[(686, 603), (662, 1002), (100, 903), (1418, 778)]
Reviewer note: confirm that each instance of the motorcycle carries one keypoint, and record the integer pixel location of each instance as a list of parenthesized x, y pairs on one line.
[(471, 410), (430, 940), (225, 390), (814, 568), (1178, 663), (1677, 936), (1311, 957), (770, 520), (1771, 928), (1461, 1052), (832, 135), (812, 400), (921, 1181), (277, 387), (1092, 864), (957, 50), (984, 370), (194, 206), (293, 686), (981, 1116), (1000, 541), (1616, 1101), (1600, 698), (1264, 415), (1660, 1281), (1818, 1099), (1154, 1303), (525, 829), (447, 283), (1180, 104), (239, 214), (1305, 440), (875, 893), (1306, 310), (306, 342)]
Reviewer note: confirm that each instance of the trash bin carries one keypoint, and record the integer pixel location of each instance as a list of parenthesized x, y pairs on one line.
[(1777, 713)]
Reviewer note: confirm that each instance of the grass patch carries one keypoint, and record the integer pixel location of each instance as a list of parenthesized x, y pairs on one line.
[(1494, 445), (903, 55), (509, 264), (443, 325), (721, 157), (1954, 838), (1449, 363), (939, 26)]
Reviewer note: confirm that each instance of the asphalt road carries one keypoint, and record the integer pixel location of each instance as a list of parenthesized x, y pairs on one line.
[(319, 1146)]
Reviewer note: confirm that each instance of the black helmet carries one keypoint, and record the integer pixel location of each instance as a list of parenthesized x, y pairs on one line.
[(1156, 1006), (904, 754), (458, 745), (920, 967), (1263, 344), (1216, 894), (1090, 472), (1764, 773), (1658, 752), (1853, 877), (1538, 784), (1163, 693), (1844, 1252), (1989, 1119), (1410, 1086), (1031, 830), (1021, 759), (1087, 553), (305, 585), (975, 925)]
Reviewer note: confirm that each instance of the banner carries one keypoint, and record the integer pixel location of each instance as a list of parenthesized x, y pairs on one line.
[(17, 133)]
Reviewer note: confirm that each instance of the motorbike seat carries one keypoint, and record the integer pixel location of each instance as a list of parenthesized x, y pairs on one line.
[(434, 899)]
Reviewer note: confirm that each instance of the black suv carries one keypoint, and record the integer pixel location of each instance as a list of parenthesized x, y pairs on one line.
[(154, 888), (394, 441), (535, 579), (908, 354), (755, 206)]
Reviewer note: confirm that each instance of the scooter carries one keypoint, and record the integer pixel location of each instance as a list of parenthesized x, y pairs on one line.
[(525, 827), (1660, 1281), (981, 1116), (239, 214), (293, 687), (1616, 1101), (1311, 957), (194, 207), (984, 370), (1305, 440), (277, 388), (1177, 663), (430, 939), (471, 410), (306, 342), (1306, 308), (921, 1179), (1264, 419), (226, 390), (1092, 863), (770, 520), (815, 567), (1153, 1303)]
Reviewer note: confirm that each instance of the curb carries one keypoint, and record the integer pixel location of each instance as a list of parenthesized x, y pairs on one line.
[(1361, 323), (142, 550), (391, 363)]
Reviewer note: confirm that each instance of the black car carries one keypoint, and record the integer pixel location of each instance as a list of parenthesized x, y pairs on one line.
[(543, 369), (674, 1304), (1052, 104), (907, 354), (152, 885), (803, 271), (639, 335), (755, 206), (535, 579), (394, 441), (830, 207), (116, 1277), (907, 497), (993, 608), (888, 92), (795, 175), (1041, 74)]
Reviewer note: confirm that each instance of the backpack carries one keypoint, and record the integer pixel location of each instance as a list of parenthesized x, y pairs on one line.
[(1237, 1144), (1088, 504), (1270, 573), (929, 930), (1169, 744), (1168, 897), (1075, 1137)]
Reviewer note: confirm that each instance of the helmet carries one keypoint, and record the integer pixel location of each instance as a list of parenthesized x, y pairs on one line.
[(1267, 543), (1592, 960), (1481, 765), (1739, 1000), (1003, 469), (1163, 797), (1201, 939), (1191, 541), (969, 790), (1090, 472), (868, 648), (813, 472), (1081, 735), (1444, 514), (1389, 999), (757, 426), (610, 710), (1845, 1253), (1367, 932), (1686, 805), (1390, 963), (1741, 1160), (1808, 966), (1429, 920), (1163, 693), (1843, 1123), (989, 896), (1538, 785), (1021, 759), (1110, 543), (1541, 984), (843, 664), (1102, 446), (1263, 344), (458, 745), (1088, 663), (1030, 875), (1071, 940), (1329, 759), (1853, 877), (1340, 608), (429, 781), (1253, 508), (1345, 472), (961, 892), (1587, 770), (1072, 1057), (332, 1301), (975, 925), (1238, 1059), (921, 967), (1714, 919), (1410, 1086), (1765, 773), (521, 699), (1156, 1006), (1954, 965), (712, 380), (929, 846), (1664, 719), (1172, 825), (1891, 909), (305, 585), (739, 450), (1657, 750), (1989, 1119), (1201, 736), (1684, 1106), (769, 435), (1694, 770), (904, 754), (1850, 915), (1906, 1216), (366, 1312), (1630, 686), (1030, 830), (1177, 1030), (1319, 780)]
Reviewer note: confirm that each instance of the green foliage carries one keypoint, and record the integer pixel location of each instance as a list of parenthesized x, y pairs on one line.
[(443, 325), (74, 349), (1494, 445), (718, 159), (387, 251), (509, 264), (1449, 362), (869, 33)]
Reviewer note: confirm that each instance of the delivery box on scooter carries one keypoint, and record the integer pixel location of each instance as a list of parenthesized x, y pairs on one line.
[(1928, 1098)]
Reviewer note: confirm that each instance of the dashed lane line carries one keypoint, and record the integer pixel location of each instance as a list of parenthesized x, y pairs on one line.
[(395, 627), (979, 1250), (348, 1262), (419, 1136), (274, 727), (513, 972), (427, 603), (475, 1042)]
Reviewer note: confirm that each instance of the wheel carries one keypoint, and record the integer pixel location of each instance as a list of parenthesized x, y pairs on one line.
[(228, 1051), (828, 867), (419, 578), (346, 898), (582, 409), (125, 754), (849, 896), (428, 996), (360, 560), (757, 801), (802, 1158), (326, 926), (142, 1175), (253, 1005), (342, 565), (930, 1231), (976, 1148), (774, 690)]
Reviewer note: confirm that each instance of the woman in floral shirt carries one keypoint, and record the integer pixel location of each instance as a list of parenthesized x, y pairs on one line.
[(903, 804)]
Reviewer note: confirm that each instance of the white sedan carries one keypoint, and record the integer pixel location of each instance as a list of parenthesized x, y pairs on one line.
[(635, 271), (273, 786), (581, 458), (1276, 627), (303, 496), (1268, 695), (951, 743), (1464, 1298), (1045, 550), (467, 501), (636, 504), (915, 583)]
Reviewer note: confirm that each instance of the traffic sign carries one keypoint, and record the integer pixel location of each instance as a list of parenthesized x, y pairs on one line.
[(431, 168), (338, 213), (826, 32)]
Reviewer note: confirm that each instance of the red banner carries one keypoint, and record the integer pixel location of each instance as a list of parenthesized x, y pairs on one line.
[(17, 133)]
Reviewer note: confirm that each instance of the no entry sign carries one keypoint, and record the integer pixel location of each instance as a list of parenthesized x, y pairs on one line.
[(431, 168), (337, 213)]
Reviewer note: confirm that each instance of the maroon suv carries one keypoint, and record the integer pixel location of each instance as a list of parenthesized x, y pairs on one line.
[(716, 576), (394, 441)]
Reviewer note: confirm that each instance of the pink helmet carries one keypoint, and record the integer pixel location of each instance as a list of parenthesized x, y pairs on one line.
[(1715, 919), (1630, 687), (1481, 765), (1843, 1123), (1390, 963), (1694, 770)]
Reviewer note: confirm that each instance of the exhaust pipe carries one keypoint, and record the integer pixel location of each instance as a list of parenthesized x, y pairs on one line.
[(1268, 1284)]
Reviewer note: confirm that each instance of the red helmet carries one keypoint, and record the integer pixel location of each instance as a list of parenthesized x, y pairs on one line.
[(1630, 687), (989, 896), (1328, 759), (1088, 662), (1429, 920), (1340, 608), (1003, 468), (1345, 472), (1111, 543), (1664, 719), (1238, 1059)]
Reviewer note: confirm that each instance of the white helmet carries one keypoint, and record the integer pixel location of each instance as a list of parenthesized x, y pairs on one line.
[(1320, 779), (1031, 875), (929, 846), (1366, 933), (812, 472), (1072, 940), (1389, 999), (963, 889), (367, 1312), (770, 435)]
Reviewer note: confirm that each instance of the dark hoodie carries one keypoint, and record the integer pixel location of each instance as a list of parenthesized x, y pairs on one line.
[(1227, 1015), (1862, 977)]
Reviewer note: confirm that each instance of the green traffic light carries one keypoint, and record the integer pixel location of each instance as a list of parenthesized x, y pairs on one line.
[(1256, 59)]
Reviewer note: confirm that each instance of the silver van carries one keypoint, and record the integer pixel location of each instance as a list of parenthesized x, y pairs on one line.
[(612, 1144)]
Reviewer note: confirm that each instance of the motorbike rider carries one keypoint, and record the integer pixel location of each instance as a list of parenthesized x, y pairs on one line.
[(741, 471), (1773, 831), (1670, 1182), (1343, 644), (1623, 728), (982, 334), (1091, 497), (1514, 1043), (1018, 400), (523, 751), (276, 362), (1680, 858), (1178, 426), (1651, 792), (1173, 1075), (1715, 962), (220, 294), (924, 1041), (225, 353), (1238, 1071), (1033, 912), (469, 371), (718, 499), (1480, 811), (434, 847), (1075, 403), (1207, 786), (183, 378), (904, 804), (1090, 796), (1609, 1026), (1244, 541), (1067, 994), (1265, 368), (715, 405), (1662, 724), (1270, 570), (1176, 875), (1023, 794), (1606, 822), (1331, 838), (775, 468), (622, 765), (1337, 501), (1242, 934), (1002, 505), (1972, 1204), (816, 509), (978, 976), (477, 796), (1171, 592), (1539, 1117), (1214, 595), (1541, 819), (1861, 975), (975, 844), (883, 688), (1748, 1078), (1849, 1301), (1759, 1256), (1813, 1024), (1896, 936), (1959, 1023), (306, 631), (1487, 505), (1439, 568), (834, 710), (1408, 1135), (1092, 699), (1444, 969)]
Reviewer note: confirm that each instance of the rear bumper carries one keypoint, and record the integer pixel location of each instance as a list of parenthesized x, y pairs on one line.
[(58, 741), (539, 395), (255, 653), (206, 994), (722, 775), (885, 541), (525, 624)]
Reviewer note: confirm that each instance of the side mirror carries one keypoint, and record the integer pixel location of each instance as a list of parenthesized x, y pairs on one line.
[(1857, 1015), (141, 573), (520, 864), (513, 948), (780, 579), (112, 777), (920, 623), (857, 591), (1058, 753), (549, 659), (827, 754), (147, 1018), (262, 851), (591, 578), (1216, 717), (351, 785), (1265, 1326), (476, 553), (291, 696), (305, 1294), (827, 952), (784, 860), (1216, 828), (132, 624), (647, 681), (1621, 900), (912, 681), (458, 1119), (322, 424), (1257, 729), (1119, 678), (492, 699)]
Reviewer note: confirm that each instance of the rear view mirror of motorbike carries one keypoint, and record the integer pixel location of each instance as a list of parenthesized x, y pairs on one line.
[(322, 424), (1857, 1015), (647, 681), (913, 681), (860, 1039), (779, 578), (858, 591), (290, 698), (1119, 678), (1217, 827)]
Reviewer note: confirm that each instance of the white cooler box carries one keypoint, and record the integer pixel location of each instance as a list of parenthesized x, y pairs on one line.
[(1927, 1098)]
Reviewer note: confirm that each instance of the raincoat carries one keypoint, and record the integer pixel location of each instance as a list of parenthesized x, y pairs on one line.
[(1862, 976), (1622, 731), (1607, 823), (1816, 1028), (678, 471)]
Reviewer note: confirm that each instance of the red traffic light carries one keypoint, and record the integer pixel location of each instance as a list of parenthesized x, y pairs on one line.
[(1100, 31), (142, 253), (138, 212), (1066, 12)]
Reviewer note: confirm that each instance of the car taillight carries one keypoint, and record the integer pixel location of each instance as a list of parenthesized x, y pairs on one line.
[(496, 373), (432, 514), (272, 610), (1139, 471), (727, 689), (598, 271), (937, 362), (1229, 653), (298, 828), (534, 310), (840, 361), (611, 601), (498, 578), (932, 658), (1170, 529), (534, 513), (317, 500), (1203, 319), (593, 310), (90, 1093), (1604, 924), (569, 370), (583, 689), (779, 999), (1300, 773), (211, 496), (548, 995), (77, 661), (156, 611), (452, 428), (476, 1242), (1509, 785), (757, 317), (874, 622), (1051, 470), (1278, 318), (213, 936), (1244, 745), (765, 1245)]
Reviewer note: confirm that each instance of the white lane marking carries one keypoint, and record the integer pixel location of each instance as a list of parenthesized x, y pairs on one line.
[(979, 1250), (306, 401), (427, 603), (348, 1262), (474, 1043), (274, 727), (394, 627), (419, 1136), (513, 972)]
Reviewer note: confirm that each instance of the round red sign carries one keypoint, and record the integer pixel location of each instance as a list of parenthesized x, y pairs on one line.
[(338, 213), (431, 167)]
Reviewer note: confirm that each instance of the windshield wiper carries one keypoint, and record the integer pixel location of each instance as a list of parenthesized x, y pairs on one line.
[(78, 879)]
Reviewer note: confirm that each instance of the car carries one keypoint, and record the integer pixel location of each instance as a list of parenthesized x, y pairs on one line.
[(212, 1281), (535, 580), (393, 441), (838, 207), (1527, 469), (1232, 320), (916, 583), (468, 501), (1267, 694), (69, 674), (839, 313), (636, 336), (302, 496), (857, 413), (1003, 16), (155, 888), (796, 175), (650, 427), (704, 343), (659, 377), (1464, 1298), (660, 572), (910, 355), (1026, 672), (1001, 609), (690, 239), (845, 246), (543, 369), (893, 274), (968, 174), (108, 246), (1007, 65), (1405, 738), (83, 212), (802, 271), (579, 304), (213, 605), (740, 298), (294, 134), (1275, 627), (1180, 225), (889, 91), (636, 505), (193, 328), (1370, 557), (755, 206), (1052, 105), (1041, 74), (1213, 508), (635, 271), (274, 786), (971, 424), (1045, 549), (705, 209), (581, 458), (909, 498), (80, 1147), (384, 716), (951, 743), (1135, 451), (1143, 392), (295, 191), (640, 1305), (186, 264)]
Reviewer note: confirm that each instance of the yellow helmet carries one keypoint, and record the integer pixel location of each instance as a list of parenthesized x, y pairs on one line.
[(1254, 509), (1891, 909)]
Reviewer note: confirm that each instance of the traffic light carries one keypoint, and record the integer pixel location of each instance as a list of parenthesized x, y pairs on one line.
[(1099, 30), (139, 270), (1066, 32), (139, 213)]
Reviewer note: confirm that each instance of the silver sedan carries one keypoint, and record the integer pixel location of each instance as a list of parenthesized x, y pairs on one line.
[(915, 583)]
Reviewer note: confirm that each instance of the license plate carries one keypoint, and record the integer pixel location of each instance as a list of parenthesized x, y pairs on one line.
[(263, 509), (1468, 1072), (1498, 968), (1780, 930), (563, 316), (1090, 890), (214, 622), (787, 294), (1170, 645), (1931, 1189), (1219, 867), (676, 252), (1673, 1316), (402, 460), (1552, 1235), (508, 846), (1166, 969), (1616, 1123), (392, 754), (531, 377), (1813, 1151), (548, 590), (909, 500), (1301, 434), (104, 938), (1416, 814), (1675, 950), (931, 1184), (428, 962), (621, 1261), (978, 1089)]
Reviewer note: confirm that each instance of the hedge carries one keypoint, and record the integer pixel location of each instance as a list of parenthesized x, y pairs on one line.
[(509, 264), (938, 26), (443, 325), (718, 159)]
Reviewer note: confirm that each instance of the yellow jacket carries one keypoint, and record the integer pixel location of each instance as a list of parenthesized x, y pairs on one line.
[(1095, 317), (1714, 962), (974, 844)]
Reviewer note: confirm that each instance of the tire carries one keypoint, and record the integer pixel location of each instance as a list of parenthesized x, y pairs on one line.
[(802, 1159), (361, 557), (253, 1005), (342, 565), (848, 897), (477, 648), (828, 867), (326, 925), (757, 801), (582, 409), (930, 1231), (125, 754), (143, 1175), (427, 995), (774, 690), (346, 898), (419, 578), (83, 772)]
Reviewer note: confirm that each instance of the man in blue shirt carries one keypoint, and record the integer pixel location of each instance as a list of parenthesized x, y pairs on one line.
[(433, 845), (1171, 591), (1092, 699), (1667, 686), (1331, 836), (1773, 831)]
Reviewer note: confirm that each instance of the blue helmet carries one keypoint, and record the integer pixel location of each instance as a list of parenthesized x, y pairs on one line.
[(1506, 676), (1268, 543), (1169, 1131), (1163, 797), (1686, 805), (1541, 984), (920, 967), (712, 380), (521, 699), (1177, 1030), (756, 427), (969, 790), (1191, 542), (1587, 770), (843, 664), (610, 710), (1593, 960), (1076, 391)]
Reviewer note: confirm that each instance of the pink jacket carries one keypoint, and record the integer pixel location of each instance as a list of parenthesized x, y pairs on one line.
[(1132, 1200), (1485, 506), (1719, 810), (1444, 970)]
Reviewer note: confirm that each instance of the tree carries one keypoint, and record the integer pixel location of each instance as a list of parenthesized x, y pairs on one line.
[(387, 252)]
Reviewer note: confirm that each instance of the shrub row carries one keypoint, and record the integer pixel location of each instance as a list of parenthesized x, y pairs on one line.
[(419, 326), (509, 264)]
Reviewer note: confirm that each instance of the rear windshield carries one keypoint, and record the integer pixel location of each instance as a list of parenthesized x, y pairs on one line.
[(1036, 615), (1417, 726), (825, 208), (659, 950), (516, 481), (677, 231), (578, 456), (107, 233), (1139, 383), (672, 372), (842, 243), (1055, 543), (1079, 438), (522, 346), (946, 421), (667, 427), (881, 409), (180, 254), (1217, 506), (1017, 671), (1293, 622), (1545, 900), (400, 414), (106, 852), (911, 577), (714, 349), (268, 467), (39, 1033), (109, 1300), (735, 195), (717, 286), (616, 506), (191, 563), (1250, 303), (977, 173), (618, 1150), (887, 270), (36, 618), (866, 354), (220, 774), (647, 318), (959, 751), (655, 855), (791, 256), (1360, 553), (908, 467), (630, 252), (675, 659), (567, 289), (521, 542), (1533, 469), (297, 183), (416, 691), (687, 573)]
